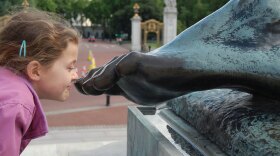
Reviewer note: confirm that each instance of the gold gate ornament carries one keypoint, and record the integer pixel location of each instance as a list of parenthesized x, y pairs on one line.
[(151, 25)]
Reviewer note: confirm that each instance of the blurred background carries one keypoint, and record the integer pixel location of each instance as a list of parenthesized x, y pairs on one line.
[(109, 19)]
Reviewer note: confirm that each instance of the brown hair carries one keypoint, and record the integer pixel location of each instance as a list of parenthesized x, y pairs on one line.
[(46, 36)]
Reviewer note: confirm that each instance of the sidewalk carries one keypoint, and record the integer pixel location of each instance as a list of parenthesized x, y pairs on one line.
[(80, 141), (89, 116)]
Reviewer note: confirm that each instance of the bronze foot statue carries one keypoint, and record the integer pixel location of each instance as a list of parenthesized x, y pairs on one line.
[(238, 46)]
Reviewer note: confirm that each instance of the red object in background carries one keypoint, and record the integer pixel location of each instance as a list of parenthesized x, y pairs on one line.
[(91, 39)]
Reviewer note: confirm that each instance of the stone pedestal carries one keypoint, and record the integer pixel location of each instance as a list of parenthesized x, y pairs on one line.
[(170, 24), (136, 33), (162, 133), (240, 124)]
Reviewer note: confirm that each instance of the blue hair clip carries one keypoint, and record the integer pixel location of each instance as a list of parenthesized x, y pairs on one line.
[(23, 46)]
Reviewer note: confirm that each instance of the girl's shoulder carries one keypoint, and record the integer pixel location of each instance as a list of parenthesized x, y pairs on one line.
[(13, 90)]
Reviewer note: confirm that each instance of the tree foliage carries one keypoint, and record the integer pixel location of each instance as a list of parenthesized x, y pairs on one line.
[(115, 15), (7, 5), (191, 11), (48, 5)]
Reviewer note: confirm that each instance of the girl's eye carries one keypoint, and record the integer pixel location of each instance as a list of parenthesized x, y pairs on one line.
[(72, 69)]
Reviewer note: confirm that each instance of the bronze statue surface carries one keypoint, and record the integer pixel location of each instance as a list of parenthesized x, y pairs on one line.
[(239, 123), (235, 47)]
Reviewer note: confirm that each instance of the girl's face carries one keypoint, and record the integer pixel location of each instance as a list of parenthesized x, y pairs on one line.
[(55, 82)]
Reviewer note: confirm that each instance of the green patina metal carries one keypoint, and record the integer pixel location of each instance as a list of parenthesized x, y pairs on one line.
[(239, 123)]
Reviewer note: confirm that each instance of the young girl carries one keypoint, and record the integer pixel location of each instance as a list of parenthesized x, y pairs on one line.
[(38, 53)]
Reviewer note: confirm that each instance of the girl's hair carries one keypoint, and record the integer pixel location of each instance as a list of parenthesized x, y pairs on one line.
[(46, 36)]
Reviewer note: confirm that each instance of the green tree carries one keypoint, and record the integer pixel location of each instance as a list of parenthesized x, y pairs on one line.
[(115, 15), (191, 11), (8, 5), (64, 7), (78, 7), (151, 9), (47, 5), (97, 11)]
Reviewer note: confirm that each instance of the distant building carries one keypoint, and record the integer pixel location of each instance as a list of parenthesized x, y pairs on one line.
[(86, 27)]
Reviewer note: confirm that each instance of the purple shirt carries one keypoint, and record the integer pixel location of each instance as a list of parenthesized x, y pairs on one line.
[(21, 114)]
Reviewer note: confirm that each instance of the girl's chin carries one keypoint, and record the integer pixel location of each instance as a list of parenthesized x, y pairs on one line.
[(65, 95), (61, 99)]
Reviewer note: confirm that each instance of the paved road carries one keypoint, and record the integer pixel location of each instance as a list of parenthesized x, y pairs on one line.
[(82, 110), (76, 141)]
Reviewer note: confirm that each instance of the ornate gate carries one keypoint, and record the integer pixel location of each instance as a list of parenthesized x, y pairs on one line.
[(151, 25)]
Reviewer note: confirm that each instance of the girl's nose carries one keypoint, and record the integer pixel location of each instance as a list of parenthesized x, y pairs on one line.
[(75, 75)]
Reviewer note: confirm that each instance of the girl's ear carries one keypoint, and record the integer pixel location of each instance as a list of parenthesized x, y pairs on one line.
[(33, 70)]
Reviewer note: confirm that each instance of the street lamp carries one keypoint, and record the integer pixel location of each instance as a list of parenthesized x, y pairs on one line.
[(110, 27), (136, 8)]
